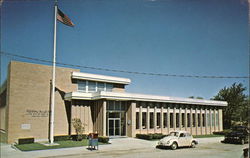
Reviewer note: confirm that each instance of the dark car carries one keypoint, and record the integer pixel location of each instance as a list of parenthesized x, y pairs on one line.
[(239, 134)]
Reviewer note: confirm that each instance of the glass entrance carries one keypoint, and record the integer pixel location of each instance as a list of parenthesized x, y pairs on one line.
[(114, 126)]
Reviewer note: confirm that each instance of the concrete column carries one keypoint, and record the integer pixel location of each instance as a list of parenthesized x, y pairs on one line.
[(220, 120), (210, 121), (131, 130), (180, 118), (201, 123), (168, 119), (147, 119), (196, 121), (174, 118), (206, 113), (140, 119), (162, 117), (185, 124), (155, 119), (104, 117), (191, 120)]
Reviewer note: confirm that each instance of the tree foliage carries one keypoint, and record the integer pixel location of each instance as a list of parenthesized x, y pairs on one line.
[(237, 109), (79, 127)]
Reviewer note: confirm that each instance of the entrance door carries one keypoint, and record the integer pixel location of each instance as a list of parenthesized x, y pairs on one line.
[(114, 125)]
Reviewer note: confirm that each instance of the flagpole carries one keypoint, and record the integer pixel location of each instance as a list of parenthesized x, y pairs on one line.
[(53, 81)]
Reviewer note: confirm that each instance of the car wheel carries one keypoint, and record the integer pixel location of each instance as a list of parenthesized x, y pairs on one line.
[(174, 146), (242, 141), (193, 144)]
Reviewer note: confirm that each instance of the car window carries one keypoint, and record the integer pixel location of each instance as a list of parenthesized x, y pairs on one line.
[(182, 135), (173, 134)]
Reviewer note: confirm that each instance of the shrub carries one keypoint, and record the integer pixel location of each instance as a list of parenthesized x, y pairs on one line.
[(82, 136), (25, 140), (224, 132), (103, 139), (150, 136), (62, 138)]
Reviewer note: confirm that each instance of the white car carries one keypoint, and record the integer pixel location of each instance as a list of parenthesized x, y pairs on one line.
[(178, 139)]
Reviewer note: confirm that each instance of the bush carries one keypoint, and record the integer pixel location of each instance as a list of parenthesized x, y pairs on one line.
[(150, 136), (78, 137), (103, 139), (62, 138), (224, 132), (25, 140)]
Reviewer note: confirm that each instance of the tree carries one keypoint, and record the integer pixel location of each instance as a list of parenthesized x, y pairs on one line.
[(237, 104), (79, 128)]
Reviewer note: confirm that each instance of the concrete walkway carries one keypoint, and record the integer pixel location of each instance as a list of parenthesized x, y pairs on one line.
[(119, 144)]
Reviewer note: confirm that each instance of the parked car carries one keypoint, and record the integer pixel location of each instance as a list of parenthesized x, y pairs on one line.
[(178, 139), (239, 134)]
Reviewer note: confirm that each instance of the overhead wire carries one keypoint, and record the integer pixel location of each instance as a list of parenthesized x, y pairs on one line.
[(125, 71)]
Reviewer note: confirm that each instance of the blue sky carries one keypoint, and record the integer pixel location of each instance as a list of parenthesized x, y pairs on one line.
[(189, 37)]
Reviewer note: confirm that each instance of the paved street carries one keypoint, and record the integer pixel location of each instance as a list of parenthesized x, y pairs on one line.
[(130, 147)]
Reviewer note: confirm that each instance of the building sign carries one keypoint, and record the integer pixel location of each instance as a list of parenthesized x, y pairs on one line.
[(37, 113), (25, 126)]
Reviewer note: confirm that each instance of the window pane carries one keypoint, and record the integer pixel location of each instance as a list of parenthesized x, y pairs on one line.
[(81, 86), (100, 86), (137, 120), (144, 119), (92, 86), (151, 120), (158, 121), (182, 120), (177, 120), (109, 87), (165, 120), (171, 120)]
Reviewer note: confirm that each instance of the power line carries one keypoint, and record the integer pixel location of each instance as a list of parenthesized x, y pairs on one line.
[(124, 71)]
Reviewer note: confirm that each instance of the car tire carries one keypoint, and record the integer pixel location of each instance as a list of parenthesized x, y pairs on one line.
[(242, 141), (193, 144), (174, 146)]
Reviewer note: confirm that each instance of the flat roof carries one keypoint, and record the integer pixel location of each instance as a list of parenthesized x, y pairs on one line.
[(100, 78), (140, 97)]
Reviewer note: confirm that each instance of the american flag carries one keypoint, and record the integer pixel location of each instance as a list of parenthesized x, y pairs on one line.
[(64, 18)]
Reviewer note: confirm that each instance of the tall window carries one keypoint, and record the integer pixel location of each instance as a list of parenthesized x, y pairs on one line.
[(171, 120), (217, 119), (213, 119), (194, 120), (203, 120), (177, 118), (188, 120), (183, 119), (144, 120), (151, 120), (158, 117), (199, 120), (137, 120), (165, 120)]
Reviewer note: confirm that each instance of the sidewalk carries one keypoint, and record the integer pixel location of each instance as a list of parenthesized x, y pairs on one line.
[(118, 144)]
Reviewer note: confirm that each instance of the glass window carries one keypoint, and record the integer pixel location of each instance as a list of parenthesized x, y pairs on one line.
[(111, 105), (182, 120), (213, 119), (100, 86), (203, 120), (217, 119), (151, 120), (117, 105), (81, 85), (91, 86), (194, 120), (171, 120), (188, 120), (177, 120), (165, 120), (109, 87), (137, 120), (199, 120), (144, 119), (158, 117)]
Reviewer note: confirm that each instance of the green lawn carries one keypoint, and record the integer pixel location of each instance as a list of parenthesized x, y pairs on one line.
[(3, 138), (62, 144), (207, 136)]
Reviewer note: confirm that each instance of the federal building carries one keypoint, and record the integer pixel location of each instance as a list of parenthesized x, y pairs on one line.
[(101, 102)]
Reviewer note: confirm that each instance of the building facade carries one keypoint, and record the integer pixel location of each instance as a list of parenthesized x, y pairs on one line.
[(101, 103)]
